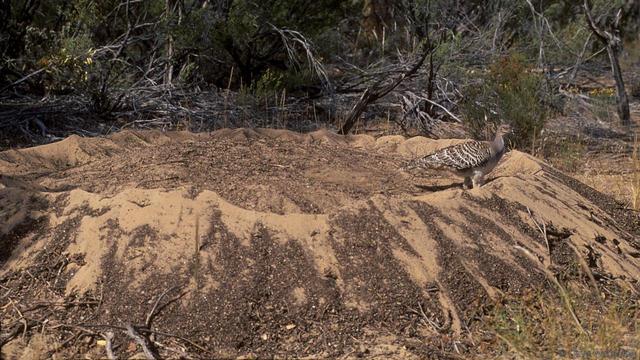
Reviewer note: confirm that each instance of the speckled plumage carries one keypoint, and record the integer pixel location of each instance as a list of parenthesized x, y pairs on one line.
[(472, 159), (459, 157)]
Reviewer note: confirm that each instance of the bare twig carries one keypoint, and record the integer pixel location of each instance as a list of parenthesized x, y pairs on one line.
[(574, 72), (291, 38), (613, 44), (149, 352), (108, 337), (443, 108), (152, 313), (21, 327), (543, 231), (22, 79), (587, 271)]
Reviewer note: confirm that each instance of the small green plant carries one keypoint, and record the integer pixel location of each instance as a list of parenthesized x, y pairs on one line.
[(66, 69), (270, 83), (508, 92)]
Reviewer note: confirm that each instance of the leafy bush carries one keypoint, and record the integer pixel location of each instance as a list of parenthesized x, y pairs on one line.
[(508, 92), (242, 36)]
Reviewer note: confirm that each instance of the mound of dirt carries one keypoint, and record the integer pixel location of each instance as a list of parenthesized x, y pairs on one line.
[(265, 242)]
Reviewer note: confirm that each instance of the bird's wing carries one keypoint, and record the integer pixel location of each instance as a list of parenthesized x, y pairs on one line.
[(460, 157)]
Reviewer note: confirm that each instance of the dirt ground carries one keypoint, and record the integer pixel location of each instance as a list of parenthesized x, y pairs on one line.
[(262, 243)]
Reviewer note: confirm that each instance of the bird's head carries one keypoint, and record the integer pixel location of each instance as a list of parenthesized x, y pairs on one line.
[(504, 129)]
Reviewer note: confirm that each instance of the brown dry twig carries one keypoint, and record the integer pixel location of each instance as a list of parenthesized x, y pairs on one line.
[(147, 347), (152, 313), (587, 271), (108, 337), (543, 231), (21, 326)]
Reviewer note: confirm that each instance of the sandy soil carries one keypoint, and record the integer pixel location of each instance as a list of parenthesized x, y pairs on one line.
[(271, 243)]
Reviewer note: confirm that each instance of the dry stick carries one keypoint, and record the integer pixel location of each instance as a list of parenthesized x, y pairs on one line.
[(550, 275), (108, 337), (583, 264), (510, 344), (574, 72), (436, 327), (179, 338), (587, 270), (377, 91), (23, 327), (147, 331), (151, 314), (226, 99), (543, 230), (142, 341), (612, 43), (539, 30), (22, 79), (66, 342), (182, 352), (196, 255), (443, 108)]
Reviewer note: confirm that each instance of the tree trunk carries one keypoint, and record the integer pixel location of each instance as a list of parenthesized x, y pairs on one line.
[(622, 100), (613, 42), (376, 16)]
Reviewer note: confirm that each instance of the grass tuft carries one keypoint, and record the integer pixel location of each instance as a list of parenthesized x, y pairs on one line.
[(538, 325)]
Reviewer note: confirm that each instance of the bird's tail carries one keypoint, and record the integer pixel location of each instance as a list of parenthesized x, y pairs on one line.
[(426, 162)]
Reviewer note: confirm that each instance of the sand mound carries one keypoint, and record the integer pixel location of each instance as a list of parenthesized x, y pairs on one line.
[(271, 242)]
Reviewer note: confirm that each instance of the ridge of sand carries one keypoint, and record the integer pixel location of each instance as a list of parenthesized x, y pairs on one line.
[(317, 224)]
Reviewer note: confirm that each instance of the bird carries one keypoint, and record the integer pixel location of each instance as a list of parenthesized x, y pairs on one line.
[(471, 160)]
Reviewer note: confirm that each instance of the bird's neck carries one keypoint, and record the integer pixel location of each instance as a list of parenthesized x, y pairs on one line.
[(498, 143)]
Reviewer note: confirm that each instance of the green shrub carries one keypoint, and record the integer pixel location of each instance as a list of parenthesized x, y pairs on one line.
[(241, 36), (507, 92)]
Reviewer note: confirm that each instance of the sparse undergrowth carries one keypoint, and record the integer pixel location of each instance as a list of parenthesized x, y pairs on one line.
[(540, 326), (565, 154)]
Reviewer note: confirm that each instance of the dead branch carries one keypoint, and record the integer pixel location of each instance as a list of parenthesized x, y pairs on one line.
[(291, 38), (540, 30), (378, 90), (152, 313), (574, 72), (21, 326), (428, 322), (443, 108), (108, 337), (177, 337), (142, 330), (147, 348), (24, 78), (543, 231), (587, 271), (613, 43)]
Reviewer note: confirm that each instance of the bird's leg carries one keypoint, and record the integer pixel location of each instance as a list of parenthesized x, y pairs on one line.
[(478, 179), (467, 183)]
